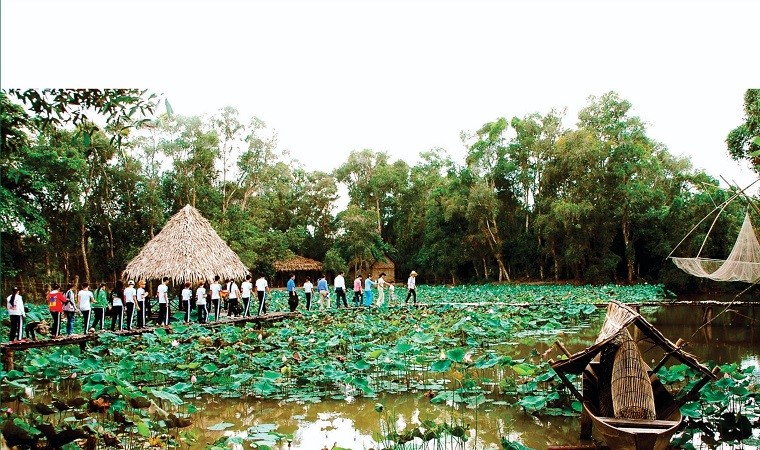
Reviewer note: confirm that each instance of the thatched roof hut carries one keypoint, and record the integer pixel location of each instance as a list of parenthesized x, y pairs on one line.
[(299, 265), (186, 249)]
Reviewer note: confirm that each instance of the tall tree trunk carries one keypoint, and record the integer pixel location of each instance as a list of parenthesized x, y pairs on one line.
[(503, 273), (110, 245), (629, 252), (379, 217), (83, 241), (556, 261), (541, 263)]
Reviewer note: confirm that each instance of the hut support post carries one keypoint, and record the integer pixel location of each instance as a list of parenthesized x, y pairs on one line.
[(679, 344), (692, 394)]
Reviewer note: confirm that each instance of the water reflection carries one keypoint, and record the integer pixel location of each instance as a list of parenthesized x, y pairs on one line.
[(357, 425)]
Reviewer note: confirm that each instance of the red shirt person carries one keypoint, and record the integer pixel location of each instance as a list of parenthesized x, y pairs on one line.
[(55, 299)]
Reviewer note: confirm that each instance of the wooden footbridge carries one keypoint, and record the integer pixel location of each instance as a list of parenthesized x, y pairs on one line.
[(9, 348)]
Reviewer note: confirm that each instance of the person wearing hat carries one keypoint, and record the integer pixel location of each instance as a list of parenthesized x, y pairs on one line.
[(15, 304), (130, 296), (411, 284)]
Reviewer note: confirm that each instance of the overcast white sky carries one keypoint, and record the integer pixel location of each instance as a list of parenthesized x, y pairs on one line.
[(403, 76)]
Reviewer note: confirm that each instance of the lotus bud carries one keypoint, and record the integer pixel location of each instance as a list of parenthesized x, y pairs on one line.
[(175, 343), (261, 336), (193, 379), (29, 392), (284, 359), (290, 339), (73, 375), (442, 356), (8, 410)]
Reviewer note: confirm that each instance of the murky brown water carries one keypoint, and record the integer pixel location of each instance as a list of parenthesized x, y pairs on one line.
[(355, 424)]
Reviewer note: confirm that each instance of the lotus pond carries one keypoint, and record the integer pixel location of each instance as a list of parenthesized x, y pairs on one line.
[(470, 370)]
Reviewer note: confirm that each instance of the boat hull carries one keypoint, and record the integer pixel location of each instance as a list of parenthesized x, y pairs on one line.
[(635, 434)]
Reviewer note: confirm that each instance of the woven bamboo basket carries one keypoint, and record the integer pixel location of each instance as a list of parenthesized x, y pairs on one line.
[(632, 396)]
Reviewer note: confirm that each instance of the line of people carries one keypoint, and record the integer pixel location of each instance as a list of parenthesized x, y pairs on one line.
[(130, 306), (363, 294)]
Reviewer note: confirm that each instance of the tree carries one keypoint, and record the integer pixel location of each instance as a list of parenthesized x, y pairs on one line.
[(744, 141), (373, 182), (122, 109), (627, 167), (257, 164), (229, 129), (358, 240), (193, 177), (487, 160)]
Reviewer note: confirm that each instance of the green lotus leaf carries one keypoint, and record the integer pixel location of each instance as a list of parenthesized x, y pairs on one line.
[(456, 355), (422, 338), (210, 368), (442, 365)]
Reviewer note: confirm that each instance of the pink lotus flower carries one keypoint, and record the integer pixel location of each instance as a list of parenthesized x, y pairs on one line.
[(175, 343)]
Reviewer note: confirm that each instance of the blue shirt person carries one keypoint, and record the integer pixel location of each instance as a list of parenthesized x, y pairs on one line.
[(368, 283), (292, 295)]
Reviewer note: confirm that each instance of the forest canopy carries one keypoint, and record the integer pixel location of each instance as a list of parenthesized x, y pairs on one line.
[(89, 176)]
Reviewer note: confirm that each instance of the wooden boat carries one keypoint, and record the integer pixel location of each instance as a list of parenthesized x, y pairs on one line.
[(626, 433)]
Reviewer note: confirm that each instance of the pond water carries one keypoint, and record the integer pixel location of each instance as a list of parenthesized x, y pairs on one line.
[(354, 423)]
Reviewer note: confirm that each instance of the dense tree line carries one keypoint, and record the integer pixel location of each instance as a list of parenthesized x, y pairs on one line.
[(533, 199)]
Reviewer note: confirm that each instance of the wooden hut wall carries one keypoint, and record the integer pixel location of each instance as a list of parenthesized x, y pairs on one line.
[(384, 267)]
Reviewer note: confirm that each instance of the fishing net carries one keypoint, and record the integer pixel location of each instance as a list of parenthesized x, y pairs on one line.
[(743, 264)]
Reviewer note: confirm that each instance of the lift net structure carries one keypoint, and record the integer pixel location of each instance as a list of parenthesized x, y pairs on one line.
[(743, 264)]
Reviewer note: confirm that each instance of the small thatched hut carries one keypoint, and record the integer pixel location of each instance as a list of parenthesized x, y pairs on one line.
[(299, 265), (186, 249), (384, 265)]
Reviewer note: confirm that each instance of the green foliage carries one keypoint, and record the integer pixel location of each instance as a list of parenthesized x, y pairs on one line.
[(89, 176), (743, 142)]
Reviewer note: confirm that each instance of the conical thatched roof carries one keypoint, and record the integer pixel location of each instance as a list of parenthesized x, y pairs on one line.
[(186, 249), (297, 263)]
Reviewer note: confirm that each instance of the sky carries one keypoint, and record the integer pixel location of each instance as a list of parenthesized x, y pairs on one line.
[(399, 76)]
